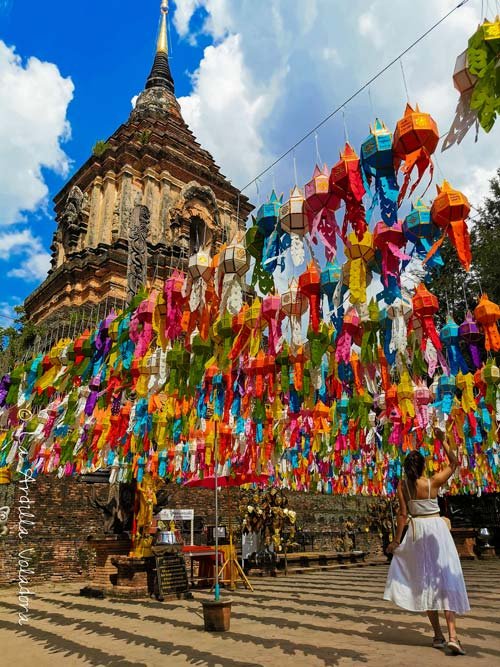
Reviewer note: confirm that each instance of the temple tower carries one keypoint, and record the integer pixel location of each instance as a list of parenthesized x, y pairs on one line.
[(152, 164)]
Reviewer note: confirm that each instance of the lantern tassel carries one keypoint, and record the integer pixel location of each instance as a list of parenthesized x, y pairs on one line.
[(459, 236)]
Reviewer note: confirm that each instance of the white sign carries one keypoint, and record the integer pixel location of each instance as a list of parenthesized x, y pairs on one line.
[(175, 515)]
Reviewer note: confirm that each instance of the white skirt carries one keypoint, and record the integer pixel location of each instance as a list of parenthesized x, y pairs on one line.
[(425, 573)]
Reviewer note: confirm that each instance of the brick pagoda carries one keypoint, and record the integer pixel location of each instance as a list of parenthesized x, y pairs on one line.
[(152, 160)]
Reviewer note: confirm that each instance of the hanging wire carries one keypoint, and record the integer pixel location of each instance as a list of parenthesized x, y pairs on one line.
[(404, 80), (356, 93)]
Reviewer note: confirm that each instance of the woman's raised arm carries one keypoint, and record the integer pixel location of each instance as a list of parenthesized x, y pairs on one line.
[(444, 475)]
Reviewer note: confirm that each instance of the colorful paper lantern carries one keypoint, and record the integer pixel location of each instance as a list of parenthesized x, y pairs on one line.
[(293, 220), (347, 183), (425, 306), (390, 241), (472, 336), (377, 162), (487, 313), (268, 214), (294, 305), (321, 204), (415, 139), (309, 285), (359, 254), (419, 229), (449, 212)]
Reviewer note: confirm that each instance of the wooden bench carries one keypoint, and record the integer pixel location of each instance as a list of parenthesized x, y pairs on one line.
[(323, 558)]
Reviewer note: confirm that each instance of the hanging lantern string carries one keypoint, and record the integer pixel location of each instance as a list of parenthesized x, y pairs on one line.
[(439, 167), (318, 156), (372, 108), (295, 170), (405, 83), (356, 93), (465, 297), (346, 134)]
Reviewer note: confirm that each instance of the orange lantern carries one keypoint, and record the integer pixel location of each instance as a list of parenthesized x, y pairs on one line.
[(449, 211), (415, 140), (487, 313), (425, 306)]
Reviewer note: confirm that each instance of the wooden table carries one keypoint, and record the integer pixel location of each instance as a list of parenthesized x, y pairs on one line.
[(205, 557)]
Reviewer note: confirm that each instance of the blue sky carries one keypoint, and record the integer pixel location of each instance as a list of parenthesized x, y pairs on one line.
[(106, 48), (252, 76)]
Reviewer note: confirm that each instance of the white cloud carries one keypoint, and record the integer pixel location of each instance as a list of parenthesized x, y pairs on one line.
[(22, 243), (293, 62), (225, 109), (369, 27), (33, 124), (33, 269)]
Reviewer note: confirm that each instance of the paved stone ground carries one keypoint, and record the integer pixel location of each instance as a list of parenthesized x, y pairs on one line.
[(314, 619)]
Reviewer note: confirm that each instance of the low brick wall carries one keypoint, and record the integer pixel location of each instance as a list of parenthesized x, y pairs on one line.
[(59, 543)]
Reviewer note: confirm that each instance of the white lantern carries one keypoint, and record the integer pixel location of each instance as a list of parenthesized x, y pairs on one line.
[(234, 259), (463, 80), (293, 302), (293, 218), (200, 264)]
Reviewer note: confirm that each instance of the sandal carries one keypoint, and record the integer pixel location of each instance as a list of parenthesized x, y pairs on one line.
[(455, 647), (439, 642)]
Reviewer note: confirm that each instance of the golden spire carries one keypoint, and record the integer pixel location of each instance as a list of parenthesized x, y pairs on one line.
[(162, 44)]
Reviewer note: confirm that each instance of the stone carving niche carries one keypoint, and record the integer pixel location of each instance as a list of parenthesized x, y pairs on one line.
[(195, 218)]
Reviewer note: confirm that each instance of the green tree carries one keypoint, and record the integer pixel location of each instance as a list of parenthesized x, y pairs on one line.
[(17, 339), (458, 290)]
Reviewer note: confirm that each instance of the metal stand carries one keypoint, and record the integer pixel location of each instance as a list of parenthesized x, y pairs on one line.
[(232, 560)]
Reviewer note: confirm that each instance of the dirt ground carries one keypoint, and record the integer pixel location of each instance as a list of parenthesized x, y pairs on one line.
[(313, 619)]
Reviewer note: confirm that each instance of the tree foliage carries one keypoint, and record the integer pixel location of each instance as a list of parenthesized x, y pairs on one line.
[(17, 339)]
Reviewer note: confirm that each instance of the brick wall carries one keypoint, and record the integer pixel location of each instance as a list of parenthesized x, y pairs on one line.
[(64, 520)]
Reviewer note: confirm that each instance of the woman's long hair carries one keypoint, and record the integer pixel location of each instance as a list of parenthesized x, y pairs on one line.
[(414, 467)]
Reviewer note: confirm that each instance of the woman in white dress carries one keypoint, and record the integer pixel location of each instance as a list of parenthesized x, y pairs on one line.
[(425, 573)]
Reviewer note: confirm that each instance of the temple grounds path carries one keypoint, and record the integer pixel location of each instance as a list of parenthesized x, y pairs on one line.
[(314, 619)]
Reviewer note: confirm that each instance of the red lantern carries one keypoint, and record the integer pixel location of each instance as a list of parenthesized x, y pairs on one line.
[(487, 313), (270, 312), (425, 306), (449, 211), (309, 284), (415, 140), (351, 330), (346, 182), (390, 240), (321, 204)]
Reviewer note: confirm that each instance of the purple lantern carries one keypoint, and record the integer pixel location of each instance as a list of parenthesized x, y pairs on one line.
[(472, 335)]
